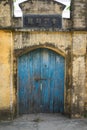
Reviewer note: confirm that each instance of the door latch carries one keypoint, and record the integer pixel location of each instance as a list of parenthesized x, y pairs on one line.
[(41, 86)]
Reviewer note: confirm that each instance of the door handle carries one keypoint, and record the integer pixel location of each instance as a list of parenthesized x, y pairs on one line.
[(37, 79)]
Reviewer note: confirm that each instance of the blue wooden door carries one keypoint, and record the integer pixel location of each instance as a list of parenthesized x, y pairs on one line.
[(41, 82)]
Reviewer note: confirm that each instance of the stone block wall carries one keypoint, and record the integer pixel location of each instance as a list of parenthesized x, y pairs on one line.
[(7, 18), (86, 83), (79, 92), (42, 7), (5, 13), (79, 14)]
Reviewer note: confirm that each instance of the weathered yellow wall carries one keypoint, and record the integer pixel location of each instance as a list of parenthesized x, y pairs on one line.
[(5, 69), (6, 85)]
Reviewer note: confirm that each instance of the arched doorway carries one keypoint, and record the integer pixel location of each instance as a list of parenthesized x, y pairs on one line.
[(41, 82)]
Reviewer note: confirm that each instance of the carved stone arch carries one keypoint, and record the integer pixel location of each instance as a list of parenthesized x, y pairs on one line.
[(50, 47)]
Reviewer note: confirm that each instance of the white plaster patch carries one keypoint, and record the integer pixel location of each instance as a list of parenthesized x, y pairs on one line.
[(17, 9), (66, 11)]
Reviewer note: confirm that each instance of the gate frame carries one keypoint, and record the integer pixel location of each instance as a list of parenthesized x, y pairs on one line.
[(29, 49)]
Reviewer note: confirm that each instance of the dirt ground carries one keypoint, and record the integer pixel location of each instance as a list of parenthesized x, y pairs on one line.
[(44, 122)]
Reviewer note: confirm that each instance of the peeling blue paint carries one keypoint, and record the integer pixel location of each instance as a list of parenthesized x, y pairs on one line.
[(41, 82)]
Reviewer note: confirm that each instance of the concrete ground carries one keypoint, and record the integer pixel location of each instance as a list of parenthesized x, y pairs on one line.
[(44, 122)]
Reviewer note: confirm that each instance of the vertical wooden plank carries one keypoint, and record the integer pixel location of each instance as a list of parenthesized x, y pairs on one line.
[(36, 80), (22, 76), (51, 77), (62, 67), (45, 81), (59, 84), (26, 86), (30, 82)]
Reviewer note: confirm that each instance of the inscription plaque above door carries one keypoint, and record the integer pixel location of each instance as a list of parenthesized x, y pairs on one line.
[(42, 21)]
